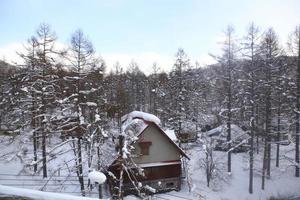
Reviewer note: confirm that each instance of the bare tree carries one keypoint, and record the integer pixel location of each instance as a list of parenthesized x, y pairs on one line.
[(45, 61), (294, 44), (30, 58), (227, 61), (81, 58), (208, 162), (251, 51), (270, 50), (178, 87)]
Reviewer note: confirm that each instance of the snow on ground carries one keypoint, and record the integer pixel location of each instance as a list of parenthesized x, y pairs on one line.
[(15, 153), (234, 186), (16, 167), (38, 195)]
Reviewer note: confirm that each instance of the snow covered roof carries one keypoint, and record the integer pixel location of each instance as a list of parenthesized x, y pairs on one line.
[(141, 115), (137, 121), (215, 132), (171, 134), (221, 131)]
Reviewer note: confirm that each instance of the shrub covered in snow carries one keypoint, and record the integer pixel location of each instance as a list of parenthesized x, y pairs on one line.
[(96, 177)]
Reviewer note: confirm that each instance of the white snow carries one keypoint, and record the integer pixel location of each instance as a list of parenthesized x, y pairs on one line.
[(81, 117), (147, 187), (235, 186), (97, 118), (25, 89), (125, 150), (38, 195), (215, 132), (91, 104), (19, 169), (171, 134), (88, 91), (97, 177), (112, 175), (221, 131), (135, 122), (133, 127), (142, 115)]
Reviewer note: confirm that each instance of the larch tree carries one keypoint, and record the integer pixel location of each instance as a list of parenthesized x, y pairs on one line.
[(30, 59), (294, 44), (153, 89), (161, 94), (281, 103), (75, 107), (227, 61), (251, 51), (270, 51), (136, 87), (6, 98), (45, 85), (178, 90)]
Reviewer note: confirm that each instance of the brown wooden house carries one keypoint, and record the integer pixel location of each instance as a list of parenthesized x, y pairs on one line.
[(158, 156)]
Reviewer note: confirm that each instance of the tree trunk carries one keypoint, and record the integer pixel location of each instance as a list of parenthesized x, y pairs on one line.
[(229, 125), (44, 120), (44, 152), (229, 103), (121, 144), (251, 163), (207, 169), (257, 136), (278, 136), (268, 139), (33, 126), (298, 109), (35, 151), (80, 171), (268, 121), (264, 165), (100, 191), (251, 141), (44, 135)]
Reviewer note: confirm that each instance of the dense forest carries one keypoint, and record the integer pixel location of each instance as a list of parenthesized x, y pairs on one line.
[(254, 84)]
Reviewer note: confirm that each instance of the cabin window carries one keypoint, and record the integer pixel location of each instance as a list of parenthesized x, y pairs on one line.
[(144, 146)]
